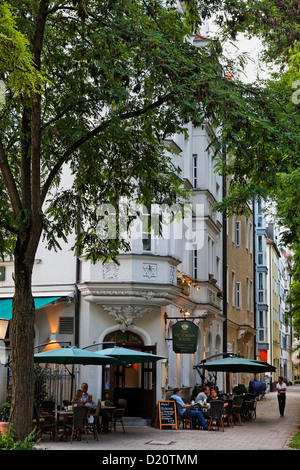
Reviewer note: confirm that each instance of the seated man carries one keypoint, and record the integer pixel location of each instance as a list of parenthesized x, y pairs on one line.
[(203, 396), (183, 409)]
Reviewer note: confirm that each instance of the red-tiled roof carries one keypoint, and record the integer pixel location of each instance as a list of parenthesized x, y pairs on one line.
[(199, 37), (229, 76)]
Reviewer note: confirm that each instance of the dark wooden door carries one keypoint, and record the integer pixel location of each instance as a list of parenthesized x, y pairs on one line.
[(140, 400)]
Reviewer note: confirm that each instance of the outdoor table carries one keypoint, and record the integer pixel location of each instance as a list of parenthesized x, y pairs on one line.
[(65, 414), (204, 408)]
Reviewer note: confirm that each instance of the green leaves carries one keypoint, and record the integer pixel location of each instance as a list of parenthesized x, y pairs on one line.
[(17, 68), (121, 78)]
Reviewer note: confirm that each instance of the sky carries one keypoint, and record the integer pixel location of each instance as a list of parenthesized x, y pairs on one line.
[(251, 47)]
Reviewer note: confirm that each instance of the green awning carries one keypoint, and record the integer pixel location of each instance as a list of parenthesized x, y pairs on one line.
[(6, 305)]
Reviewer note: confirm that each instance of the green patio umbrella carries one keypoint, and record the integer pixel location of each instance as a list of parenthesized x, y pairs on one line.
[(236, 364), (129, 356), (73, 355)]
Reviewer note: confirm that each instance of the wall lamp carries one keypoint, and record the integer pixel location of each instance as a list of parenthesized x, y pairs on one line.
[(185, 279), (3, 327), (186, 314)]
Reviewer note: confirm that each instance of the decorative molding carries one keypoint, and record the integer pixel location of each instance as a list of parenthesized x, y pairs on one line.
[(117, 293), (244, 331), (109, 293), (211, 296), (173, 275), (125, 315), (150, 270), (110, 271)]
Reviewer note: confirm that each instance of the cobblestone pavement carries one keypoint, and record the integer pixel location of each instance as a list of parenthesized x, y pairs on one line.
[(268, 431)]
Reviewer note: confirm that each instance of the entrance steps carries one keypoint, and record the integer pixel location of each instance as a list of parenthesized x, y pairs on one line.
[(134, 421)]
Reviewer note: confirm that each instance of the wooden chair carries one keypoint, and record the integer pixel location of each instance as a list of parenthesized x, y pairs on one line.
[(96, 422), (79, 422), (227, 414), (236, 409), (251, 399), (48, 406), (117, 414), (216, 413), (44, 422), (185, 420)]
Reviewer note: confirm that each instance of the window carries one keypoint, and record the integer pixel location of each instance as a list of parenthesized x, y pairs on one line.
[(238, 295), (260, 286), (146, 221), (195, 262), (195, 161), (248, 293), (120, 337), (233, 288), (260, 254), (238, 233), (259, 206), (262, 326)]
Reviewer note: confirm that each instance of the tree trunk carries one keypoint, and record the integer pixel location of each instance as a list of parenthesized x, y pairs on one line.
[(22, 349)]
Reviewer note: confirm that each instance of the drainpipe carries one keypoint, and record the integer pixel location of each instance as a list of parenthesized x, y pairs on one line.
[(254, 282), (77, 301), (77, 280), (224, 240), (270, 307)]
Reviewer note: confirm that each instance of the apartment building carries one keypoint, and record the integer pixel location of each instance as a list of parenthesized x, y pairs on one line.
[(240, 292), (274, 328)]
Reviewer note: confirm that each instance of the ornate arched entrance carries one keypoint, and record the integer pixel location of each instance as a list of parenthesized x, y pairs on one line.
[(134, 382)]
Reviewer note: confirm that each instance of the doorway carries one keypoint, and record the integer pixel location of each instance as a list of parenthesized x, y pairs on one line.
[(134, 382)]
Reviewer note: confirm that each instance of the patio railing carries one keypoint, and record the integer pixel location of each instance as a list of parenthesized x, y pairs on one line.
[(57, 383)]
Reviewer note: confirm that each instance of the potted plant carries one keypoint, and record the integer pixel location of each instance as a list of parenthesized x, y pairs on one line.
[(4, 416), (212, 279), (240, 389)]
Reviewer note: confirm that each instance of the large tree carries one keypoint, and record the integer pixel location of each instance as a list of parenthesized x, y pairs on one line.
[(119, 79)]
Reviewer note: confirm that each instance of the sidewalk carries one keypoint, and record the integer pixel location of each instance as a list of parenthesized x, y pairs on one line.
[(268, 431)]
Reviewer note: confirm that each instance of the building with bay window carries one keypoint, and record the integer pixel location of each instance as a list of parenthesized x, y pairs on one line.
[(160, 281)]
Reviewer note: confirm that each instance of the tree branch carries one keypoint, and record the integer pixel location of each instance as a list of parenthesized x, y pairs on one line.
[(25, 157), (9, 182), (36, 114), (94, 133)]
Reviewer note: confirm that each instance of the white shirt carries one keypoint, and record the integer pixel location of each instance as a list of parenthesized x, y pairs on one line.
[(281, 388)]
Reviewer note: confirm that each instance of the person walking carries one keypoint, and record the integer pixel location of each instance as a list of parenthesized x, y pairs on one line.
[(281, 395)]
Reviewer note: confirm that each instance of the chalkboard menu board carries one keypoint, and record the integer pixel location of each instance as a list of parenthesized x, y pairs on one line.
[(166, 413)]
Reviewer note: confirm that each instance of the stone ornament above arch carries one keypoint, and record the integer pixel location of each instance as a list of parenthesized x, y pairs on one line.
[(126, 314)]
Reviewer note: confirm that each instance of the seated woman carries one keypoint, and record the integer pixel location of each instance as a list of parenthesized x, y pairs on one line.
[(214, 396), (77, 400)]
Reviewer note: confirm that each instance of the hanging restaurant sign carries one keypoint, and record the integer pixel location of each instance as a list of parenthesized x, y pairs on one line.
[(185, 334)]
